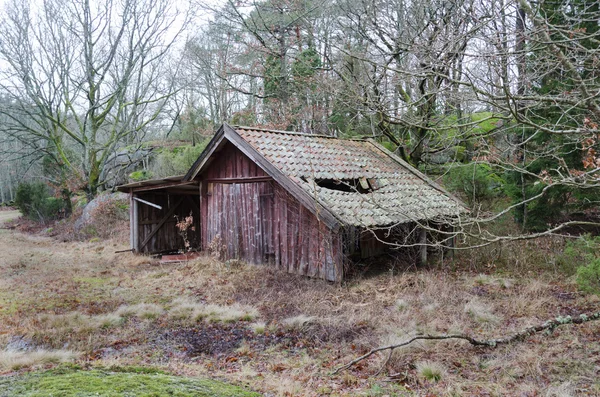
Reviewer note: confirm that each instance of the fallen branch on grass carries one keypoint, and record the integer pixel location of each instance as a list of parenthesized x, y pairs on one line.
[(548, 326)]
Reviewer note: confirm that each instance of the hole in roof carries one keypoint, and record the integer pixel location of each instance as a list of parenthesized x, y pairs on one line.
[(360, 185)]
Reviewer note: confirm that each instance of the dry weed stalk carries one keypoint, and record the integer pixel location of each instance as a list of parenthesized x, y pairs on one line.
[(548, 326), (183, 225)]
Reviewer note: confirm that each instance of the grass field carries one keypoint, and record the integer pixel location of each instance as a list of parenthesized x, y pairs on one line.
[(6, 216), (283, 335)]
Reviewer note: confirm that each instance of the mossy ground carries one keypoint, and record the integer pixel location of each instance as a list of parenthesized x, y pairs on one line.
[(66, 383)]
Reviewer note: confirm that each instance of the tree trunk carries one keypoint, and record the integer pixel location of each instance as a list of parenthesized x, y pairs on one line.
[(519, 137)]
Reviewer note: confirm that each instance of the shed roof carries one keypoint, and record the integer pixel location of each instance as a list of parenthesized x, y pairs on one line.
[(359, 182), (171, 182)]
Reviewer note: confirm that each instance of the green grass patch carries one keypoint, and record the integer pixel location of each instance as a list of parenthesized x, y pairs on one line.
[(72, 382)]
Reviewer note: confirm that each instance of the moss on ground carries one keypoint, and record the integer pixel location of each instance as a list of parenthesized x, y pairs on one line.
[(66, 383)]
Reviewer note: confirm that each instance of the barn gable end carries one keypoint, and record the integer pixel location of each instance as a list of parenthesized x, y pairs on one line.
[(248, 215)]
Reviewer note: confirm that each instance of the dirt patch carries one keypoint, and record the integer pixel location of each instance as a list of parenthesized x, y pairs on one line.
[(223, 339)]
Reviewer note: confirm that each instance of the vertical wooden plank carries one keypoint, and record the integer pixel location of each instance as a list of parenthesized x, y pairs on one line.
[(144, 215), (229, 165), (214, 212), (155, 242), (132, 225), (320, 253), (252, 216), (200, 234), (135, 235), (245, 208), (304, 232), (328, 262), (314, 249), (266, 205), (229, 217), (252, 168), (260, 237), (243, 221), (222, 201), (235, 237), (233, 220), (156, 215), (275, 225), (241, 217), (339, 258), (292, 236), (240, 164), (283, 220), (206, 217)]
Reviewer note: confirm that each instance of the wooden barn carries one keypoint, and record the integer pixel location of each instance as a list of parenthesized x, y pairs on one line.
[(307, 204)]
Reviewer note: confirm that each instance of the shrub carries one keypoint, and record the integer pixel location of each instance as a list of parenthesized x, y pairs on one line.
[(141, 175), (476, 182), (588, 277), (35, 202), (176, 161), (578, 252), (431, 371)]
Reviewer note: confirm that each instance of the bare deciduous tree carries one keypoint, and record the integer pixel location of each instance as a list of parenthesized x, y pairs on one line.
[(87, 76)]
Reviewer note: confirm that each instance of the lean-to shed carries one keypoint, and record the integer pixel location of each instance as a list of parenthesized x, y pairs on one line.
[(303, 203)]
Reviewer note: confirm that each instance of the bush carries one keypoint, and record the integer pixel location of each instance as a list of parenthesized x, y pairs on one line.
[(176, 161), (588, 277), (476, 182), (141, 175), (35, 202), (577, 253)]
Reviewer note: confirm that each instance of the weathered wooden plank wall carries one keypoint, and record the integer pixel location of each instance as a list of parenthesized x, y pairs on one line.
[(167, 238), (303, 244), (261, 223)]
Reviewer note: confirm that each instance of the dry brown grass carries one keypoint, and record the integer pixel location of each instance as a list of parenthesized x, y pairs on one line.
[(192, 312), (121, 309), (14, 360), (8, 215)]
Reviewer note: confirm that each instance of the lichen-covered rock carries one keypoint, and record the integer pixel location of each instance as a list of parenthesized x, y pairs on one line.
[(91, 208)]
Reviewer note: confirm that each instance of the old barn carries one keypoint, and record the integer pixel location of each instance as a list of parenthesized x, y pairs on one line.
[(306, 204)]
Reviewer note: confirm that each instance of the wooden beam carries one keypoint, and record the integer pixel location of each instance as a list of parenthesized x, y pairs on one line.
[(182, 192), (135, 236), (164, 186), (147, 203), (161, 223), (249, 179), (156, 221)]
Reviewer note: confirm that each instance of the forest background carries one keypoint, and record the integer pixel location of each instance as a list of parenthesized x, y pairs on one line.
[(499, 100)]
